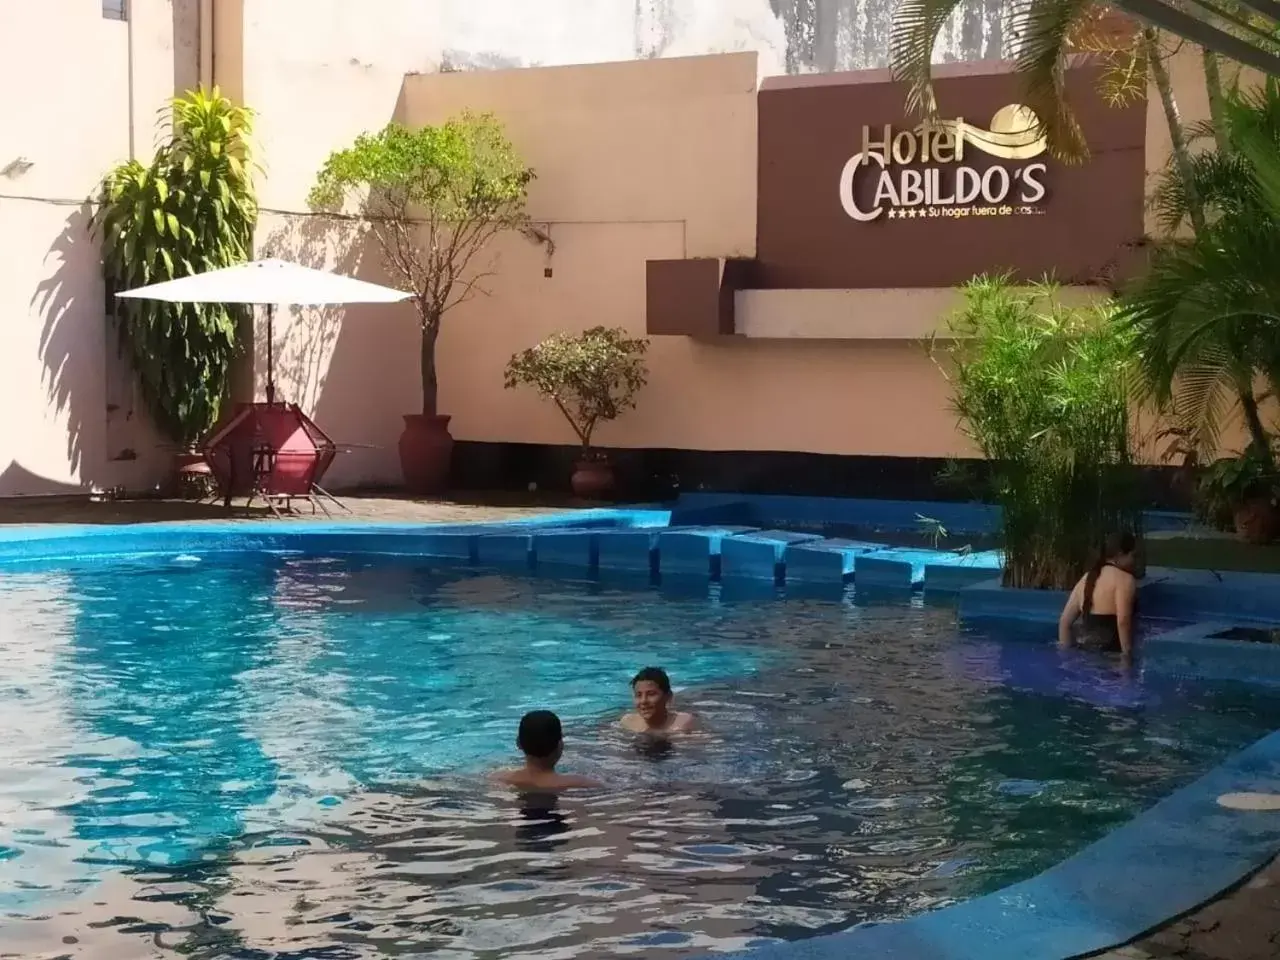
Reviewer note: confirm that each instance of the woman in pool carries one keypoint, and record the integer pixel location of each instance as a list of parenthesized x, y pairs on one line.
[(1102, 602)]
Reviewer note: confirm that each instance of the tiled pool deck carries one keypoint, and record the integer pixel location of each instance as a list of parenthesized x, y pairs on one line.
[(1166, 863)]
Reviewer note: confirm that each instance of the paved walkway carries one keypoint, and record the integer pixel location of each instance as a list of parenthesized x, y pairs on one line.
[(373, 508), (1244, 925)]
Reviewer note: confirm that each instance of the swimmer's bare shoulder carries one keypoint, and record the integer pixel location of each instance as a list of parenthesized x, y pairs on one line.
[(683, 723), (678, 723), (523, 779)]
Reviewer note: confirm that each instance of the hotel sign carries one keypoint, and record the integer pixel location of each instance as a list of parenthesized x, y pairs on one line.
[(925, 172)]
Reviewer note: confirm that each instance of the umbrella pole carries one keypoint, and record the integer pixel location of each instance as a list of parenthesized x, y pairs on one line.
[(271, 371)]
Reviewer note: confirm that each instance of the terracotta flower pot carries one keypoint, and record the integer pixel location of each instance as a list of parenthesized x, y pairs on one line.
[(1255, 520), (426, 452), (592, 479)]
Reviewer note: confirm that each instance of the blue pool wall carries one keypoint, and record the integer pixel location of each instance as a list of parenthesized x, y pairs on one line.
[(1170, 859)]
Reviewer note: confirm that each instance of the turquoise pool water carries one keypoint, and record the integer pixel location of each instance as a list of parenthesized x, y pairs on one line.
[(272, 756)]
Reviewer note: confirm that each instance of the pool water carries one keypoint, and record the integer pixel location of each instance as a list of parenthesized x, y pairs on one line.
[(275, 756)]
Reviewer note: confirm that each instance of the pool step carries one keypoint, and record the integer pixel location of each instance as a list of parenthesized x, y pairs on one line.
[(725, 553)]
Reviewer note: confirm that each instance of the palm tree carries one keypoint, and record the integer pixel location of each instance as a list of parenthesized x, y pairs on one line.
[(1206, 316), (1048, 32)]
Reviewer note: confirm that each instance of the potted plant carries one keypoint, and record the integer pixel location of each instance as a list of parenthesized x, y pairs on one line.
[(592, 378), (1244, 488), (434, 198), (190, 210)]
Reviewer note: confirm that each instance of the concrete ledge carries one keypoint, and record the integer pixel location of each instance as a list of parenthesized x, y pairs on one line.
[(953, 572), (505, 549), (1195, 651), (1207, 595), (730, 513), (824, 561), (959, 518), (898, 569), (450, 546), (758, 555), (990, 600), (693, 552), (578, 549), (633, 551)]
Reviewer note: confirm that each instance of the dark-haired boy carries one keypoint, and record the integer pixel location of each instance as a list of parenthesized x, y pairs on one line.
[(651, 694), (541, 740)]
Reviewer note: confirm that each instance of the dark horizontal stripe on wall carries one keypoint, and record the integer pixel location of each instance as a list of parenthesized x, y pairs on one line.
[(657, 475)]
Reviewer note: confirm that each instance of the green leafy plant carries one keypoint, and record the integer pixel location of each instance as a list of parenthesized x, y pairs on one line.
[(434, 198), (1042, 390), (1231, 482), (1206, 315), (190, 210), (591, 377)]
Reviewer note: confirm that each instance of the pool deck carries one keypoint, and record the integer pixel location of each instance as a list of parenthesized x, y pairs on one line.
[(372, 508), (1242, 924)]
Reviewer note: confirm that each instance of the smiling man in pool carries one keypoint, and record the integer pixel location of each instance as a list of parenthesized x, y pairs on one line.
[(652, 696)]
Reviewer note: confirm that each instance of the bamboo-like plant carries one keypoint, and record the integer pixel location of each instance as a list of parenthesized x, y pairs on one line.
[(1042, 390), (190, 210)]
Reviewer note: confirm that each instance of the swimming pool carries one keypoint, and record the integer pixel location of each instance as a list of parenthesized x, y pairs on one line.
[(257, 755)]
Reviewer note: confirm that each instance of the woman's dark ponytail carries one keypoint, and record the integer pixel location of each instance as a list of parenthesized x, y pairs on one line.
[(1091, 581)]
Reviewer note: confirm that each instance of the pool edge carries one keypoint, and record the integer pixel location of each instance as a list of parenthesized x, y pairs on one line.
[(1187, 846), (1029, 918)]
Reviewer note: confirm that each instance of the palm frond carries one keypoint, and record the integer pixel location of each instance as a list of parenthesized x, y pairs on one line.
[(1254, 119), (1045, 32), (916, 25)]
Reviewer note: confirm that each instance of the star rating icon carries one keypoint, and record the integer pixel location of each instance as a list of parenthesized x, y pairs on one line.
[(905, 214)]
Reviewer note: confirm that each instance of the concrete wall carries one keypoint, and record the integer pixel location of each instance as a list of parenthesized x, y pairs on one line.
[(636, 161), (69, 107)]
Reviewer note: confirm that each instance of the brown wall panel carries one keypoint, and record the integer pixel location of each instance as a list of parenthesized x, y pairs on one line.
[(809, 127)]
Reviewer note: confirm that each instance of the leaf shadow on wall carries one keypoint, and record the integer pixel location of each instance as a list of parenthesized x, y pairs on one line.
[(341, 363), (70, 299), (304, 336)]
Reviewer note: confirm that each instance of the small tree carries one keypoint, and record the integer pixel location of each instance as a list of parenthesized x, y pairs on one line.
[(434, 198), (592, 377), (191, 210)]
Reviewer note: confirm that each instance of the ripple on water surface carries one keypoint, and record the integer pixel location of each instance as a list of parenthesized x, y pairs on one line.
[(280, 757)]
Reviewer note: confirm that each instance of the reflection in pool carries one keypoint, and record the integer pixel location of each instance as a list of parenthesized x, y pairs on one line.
[(274, 756)]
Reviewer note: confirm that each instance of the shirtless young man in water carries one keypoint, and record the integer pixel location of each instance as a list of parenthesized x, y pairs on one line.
[(541, 740), (651, 693)]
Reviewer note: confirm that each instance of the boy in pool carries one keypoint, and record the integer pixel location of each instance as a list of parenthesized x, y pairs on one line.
[(541, 740), (652, 696)]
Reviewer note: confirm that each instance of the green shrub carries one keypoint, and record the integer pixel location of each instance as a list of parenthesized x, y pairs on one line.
[(1042, 390), (591, 377), (191, 210)]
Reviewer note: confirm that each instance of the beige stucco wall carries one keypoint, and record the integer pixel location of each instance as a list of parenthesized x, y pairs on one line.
[(66, 109), (635, 161)]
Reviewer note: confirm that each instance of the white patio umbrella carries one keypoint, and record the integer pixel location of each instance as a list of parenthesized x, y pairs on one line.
[(268, 282)]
